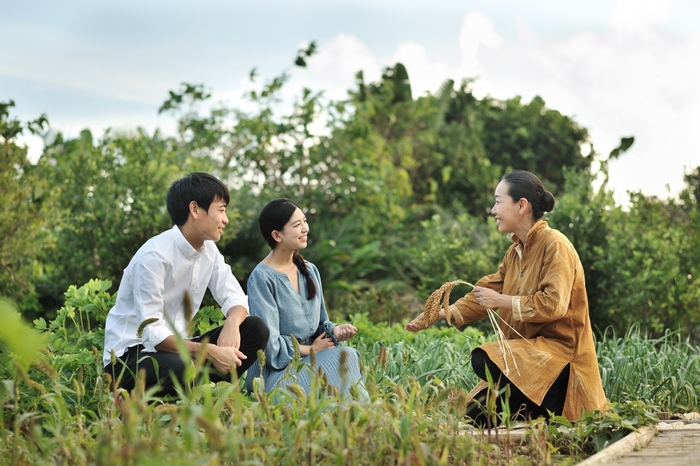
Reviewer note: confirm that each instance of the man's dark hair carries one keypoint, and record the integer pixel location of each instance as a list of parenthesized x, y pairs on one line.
[(202, 188)]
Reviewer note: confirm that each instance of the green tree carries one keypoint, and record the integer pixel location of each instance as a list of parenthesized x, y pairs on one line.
[(533, 137), (455, 168), (22, 214), (108, 199)]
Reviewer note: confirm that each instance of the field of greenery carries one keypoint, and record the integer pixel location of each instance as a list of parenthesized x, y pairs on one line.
[(58, 407), (396, 188)]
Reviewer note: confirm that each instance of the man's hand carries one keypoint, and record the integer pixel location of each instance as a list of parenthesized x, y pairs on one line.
[(344, 332), (224, 358), (230, 336)]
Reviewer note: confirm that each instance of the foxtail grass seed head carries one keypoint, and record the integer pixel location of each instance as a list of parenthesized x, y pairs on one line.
[(297, 390), (140, 384), (144, 324), (332, 391), (297, 350), (187, 304), (19, 368), (343, 369), (286, 413), (400, 392), (312, 357), (213, 432), (382, 358), (107, 378), (43, 366), (260, 395), (79, 388)]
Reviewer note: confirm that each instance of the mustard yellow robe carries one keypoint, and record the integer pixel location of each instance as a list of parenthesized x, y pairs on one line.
[(550, 310)]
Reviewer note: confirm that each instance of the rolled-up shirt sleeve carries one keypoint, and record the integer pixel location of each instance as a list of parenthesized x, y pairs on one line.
[(279, 350), (225, 288)]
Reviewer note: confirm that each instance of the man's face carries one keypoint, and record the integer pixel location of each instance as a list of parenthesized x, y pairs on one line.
[(212, 222)]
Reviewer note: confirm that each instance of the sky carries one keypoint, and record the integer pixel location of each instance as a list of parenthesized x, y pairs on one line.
[(618, 67)]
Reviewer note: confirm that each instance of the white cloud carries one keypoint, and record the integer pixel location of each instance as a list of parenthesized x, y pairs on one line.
[(424, 75), (334, 67), (631, 15), (478, 33)]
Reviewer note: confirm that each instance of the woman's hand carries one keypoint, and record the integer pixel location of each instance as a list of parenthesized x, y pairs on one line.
[(344, 332), (415, 325), (322, 342), (491, 299)]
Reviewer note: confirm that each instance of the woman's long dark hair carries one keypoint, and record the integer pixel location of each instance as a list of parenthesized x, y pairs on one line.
[(523, 184), (275, 216)]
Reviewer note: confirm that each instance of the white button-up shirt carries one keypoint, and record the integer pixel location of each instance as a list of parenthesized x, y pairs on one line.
[(154, 286)]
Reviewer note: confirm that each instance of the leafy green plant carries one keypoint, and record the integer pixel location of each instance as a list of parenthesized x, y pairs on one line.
[(596, 430), (61, 407)]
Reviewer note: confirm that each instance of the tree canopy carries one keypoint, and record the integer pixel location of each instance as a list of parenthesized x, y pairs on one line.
[(396, 187)]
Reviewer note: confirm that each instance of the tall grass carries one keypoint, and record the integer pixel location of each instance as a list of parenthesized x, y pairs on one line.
[(663, 372), (60, 410)]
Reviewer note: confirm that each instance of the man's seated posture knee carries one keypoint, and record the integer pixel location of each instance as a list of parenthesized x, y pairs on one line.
[(177, 265)]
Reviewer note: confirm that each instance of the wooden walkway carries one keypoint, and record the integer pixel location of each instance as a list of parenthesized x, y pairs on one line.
[(669, 443), (677, 443)]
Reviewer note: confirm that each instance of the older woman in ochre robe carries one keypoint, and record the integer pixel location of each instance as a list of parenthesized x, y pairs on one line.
[(540, 293)]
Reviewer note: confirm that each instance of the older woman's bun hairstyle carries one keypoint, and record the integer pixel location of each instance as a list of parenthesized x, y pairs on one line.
[(523, 184), (547, 201)]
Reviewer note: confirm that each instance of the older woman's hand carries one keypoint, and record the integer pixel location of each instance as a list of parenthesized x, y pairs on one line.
[(491, 299), (416, 326)]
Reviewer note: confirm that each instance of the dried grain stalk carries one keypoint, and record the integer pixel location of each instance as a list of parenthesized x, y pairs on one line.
[(440, 298)]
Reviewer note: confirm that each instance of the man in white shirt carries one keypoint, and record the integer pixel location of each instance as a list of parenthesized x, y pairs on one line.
[(174, 266)]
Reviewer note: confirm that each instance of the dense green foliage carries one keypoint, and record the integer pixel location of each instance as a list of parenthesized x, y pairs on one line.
[(397, 191), (58, 408), (396, 188)]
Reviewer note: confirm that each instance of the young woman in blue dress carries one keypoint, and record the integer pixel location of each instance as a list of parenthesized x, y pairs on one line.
[(285, 291)]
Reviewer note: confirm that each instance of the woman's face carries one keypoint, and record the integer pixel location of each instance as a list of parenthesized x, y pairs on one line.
[(295, 232), (506, 209)]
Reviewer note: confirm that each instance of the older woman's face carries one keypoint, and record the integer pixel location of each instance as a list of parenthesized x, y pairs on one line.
[(505, 209)]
